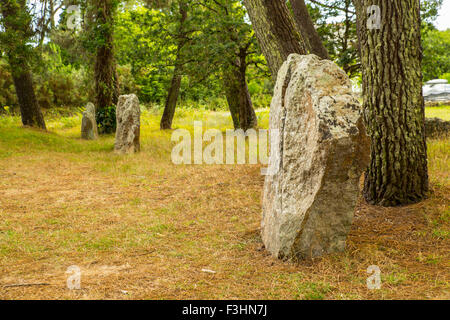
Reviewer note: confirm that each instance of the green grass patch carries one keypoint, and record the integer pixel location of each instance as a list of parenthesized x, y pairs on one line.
[(442, 112), (313, 291)]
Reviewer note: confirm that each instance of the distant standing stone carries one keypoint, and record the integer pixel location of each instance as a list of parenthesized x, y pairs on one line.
[(88, 123), (128, 115), (309, 203), (435, 127)]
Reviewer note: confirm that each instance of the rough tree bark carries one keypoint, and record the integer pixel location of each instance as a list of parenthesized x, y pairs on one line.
[(393, 103), (307, 29), (238, 96), (171, 100), (106, 78), (17, 24), (276, 31), (174, 90)]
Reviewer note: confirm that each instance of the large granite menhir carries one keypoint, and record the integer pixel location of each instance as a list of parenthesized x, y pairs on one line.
[(308, 205), (128, 116)]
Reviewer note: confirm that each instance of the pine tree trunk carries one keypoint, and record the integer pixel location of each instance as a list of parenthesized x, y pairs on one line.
[(171, 101), (307, 29), (232, 93), (29, 106), (106, 78), (106, 93), (393, 103), (238, 96), (174, 90), (276, 31), (17, 25), (104, 62), (247, 115), (241, 107), (116, 84)]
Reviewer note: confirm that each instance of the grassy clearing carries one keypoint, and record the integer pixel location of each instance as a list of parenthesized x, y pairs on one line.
[(442, 112), (140, 227)]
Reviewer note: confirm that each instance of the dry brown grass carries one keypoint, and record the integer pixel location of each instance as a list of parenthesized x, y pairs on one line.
[(142, 228)]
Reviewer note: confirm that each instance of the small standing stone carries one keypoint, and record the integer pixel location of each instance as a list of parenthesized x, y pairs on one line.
[(309, 203), (88, 123), (435, 127), (128, 115)]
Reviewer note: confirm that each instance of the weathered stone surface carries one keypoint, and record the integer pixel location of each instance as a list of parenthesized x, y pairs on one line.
[(88, 123), (128, 114), (435, 127), (308, 205)]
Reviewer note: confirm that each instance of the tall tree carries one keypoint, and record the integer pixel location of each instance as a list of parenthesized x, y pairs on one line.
[(15, 39), (276, 31), (174, 89), (105, 73), (307, 29), (390, 42), (236, 92), (239, 39), (336, 25), (227, 44), (335, 21)]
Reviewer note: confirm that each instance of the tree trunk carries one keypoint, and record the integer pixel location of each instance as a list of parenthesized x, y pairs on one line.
[(106, 78), (174, 90), (238, 96), (16, 24), (247, 115), (29, 106), (171, 101), (393, 103), (307, 29), (275, 31), (116, 84), (232, 93)]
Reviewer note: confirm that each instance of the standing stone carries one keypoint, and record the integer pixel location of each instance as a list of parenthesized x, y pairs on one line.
[(88, 124), (128, 115), (435, 127), (322, 150)]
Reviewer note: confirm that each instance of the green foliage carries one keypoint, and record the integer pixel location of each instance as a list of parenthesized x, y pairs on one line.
[(55, 86), (61, 84), (16, 36), (445, 76), (106, 120), (127, 82), (142, 44), (7, 92), (336, 25), (436, 54), (429, 11), (146, 37)]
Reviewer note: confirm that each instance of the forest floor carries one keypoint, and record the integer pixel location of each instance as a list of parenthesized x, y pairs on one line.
[(140, 227)]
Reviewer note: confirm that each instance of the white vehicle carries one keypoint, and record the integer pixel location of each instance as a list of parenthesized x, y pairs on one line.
[(436, 90)]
